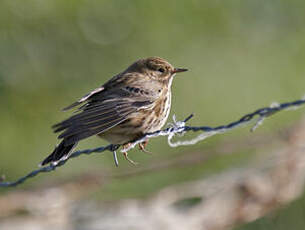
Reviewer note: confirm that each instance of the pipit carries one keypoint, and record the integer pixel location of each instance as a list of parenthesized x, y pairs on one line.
[(132, 103)]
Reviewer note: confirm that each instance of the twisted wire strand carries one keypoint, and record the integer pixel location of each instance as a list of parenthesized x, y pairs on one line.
[(176, 128)]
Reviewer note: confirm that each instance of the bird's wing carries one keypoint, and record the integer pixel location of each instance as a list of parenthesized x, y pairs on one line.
[(118, 82), (101, 113), (84, 98)]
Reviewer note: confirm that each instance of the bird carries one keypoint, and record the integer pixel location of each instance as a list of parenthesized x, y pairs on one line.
[(129, 105)]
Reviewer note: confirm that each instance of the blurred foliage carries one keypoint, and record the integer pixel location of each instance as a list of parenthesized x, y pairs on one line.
[(242, 55), (290, 217)]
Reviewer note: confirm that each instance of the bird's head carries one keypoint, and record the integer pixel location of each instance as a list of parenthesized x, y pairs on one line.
[(156, 68)]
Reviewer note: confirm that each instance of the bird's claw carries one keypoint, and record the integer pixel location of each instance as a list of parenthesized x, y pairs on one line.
[(142, 147), (127, 158)]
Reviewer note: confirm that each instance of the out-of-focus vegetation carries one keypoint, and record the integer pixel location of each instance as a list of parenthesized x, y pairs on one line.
[(242, 55), (286, 218)]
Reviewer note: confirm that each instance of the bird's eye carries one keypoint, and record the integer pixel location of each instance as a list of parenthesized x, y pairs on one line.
[(161, 70)]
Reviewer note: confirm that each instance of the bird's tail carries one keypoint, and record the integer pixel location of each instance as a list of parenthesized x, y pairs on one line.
[(61, 152)]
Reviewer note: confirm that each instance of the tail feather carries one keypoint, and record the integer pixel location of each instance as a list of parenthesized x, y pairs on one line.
[(62, 151)]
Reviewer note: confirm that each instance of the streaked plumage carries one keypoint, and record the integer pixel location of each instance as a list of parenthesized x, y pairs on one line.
[(129, 105)]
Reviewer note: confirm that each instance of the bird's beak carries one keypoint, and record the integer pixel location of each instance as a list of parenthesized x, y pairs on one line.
[(179, 70)]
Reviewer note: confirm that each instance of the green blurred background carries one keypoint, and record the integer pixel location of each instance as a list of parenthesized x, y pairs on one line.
[(242, 55)]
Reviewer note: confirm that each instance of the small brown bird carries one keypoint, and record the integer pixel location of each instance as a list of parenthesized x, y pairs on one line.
[(130, 104)]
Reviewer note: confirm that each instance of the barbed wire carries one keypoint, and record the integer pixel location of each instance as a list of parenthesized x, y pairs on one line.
[(175, 128)]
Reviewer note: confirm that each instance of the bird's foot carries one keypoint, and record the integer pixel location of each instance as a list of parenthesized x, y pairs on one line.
[(142, 147), (126, 155), (127, 158)]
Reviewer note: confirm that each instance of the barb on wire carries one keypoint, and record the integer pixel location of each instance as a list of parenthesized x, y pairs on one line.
[(176, 128)]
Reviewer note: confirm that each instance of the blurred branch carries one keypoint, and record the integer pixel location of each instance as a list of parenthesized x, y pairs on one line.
[(225, 200), (177, 127)]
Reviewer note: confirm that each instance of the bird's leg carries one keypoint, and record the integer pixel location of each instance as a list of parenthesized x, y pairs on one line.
[(127, 158), (126, 155), (142, 146)]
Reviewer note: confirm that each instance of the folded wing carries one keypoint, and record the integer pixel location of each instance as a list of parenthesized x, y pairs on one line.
[(98, 116)]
